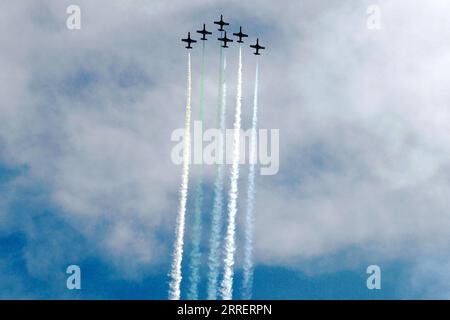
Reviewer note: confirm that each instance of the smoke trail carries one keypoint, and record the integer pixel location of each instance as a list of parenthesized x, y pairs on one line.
[(247, 282), (196, 255), (230, 247), (216, 223), (175, 273)]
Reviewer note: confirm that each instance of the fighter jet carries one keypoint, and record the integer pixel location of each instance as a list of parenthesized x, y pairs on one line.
[(221, 23), (240, 35), (257, 47), (189, 41), (225, 40), (204, 33)]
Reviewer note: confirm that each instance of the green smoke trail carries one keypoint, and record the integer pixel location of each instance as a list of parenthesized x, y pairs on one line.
[(216, 222), (230, 236), (196, 255)]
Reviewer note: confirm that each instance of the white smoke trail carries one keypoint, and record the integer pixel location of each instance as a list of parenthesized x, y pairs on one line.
[(230, 246), (196, 254), (247, 282), (175, 273), (216, 223)]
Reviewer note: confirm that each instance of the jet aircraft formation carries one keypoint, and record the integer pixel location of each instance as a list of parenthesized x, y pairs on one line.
[(224, 39)]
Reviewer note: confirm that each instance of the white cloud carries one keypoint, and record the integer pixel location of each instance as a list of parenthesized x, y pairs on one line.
[(363, 117)]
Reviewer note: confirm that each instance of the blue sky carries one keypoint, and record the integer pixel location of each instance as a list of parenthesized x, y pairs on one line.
[(86, 117), (101, 281)]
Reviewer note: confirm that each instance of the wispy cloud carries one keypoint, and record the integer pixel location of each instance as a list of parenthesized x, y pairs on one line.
[(363, 117)]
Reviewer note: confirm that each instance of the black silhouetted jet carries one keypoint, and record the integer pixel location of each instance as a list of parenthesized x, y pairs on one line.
[(225, 40), (240, 35), (204, 33), (257, 47), (221, 23), (189, 41)]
